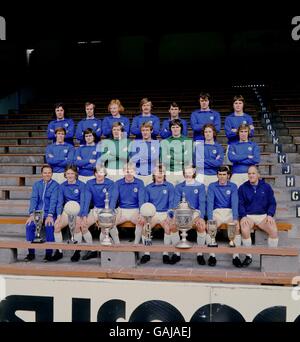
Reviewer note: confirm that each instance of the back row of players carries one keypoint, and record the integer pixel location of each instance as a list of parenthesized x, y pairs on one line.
[(252, 204)]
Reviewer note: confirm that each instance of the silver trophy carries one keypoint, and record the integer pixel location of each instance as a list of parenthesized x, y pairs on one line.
[(106, 221), (147, 210), (38, 218), (184, 221), (231, 229), (212, 232), (72, 209)]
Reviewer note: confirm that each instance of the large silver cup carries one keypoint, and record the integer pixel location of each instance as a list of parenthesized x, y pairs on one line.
[(72, 209), (147, 210), (184, 221), (38, 218), (212, 232), (231, 231), (106, 221), (72, 225)]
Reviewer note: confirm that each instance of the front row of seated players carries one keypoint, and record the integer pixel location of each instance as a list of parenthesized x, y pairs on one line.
[(255, 200)]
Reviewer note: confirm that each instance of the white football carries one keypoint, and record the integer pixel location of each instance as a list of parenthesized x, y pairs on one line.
[(72, 208), (148, 209)]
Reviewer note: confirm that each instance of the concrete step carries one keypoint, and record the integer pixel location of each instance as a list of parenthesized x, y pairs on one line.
[(18, 179), (26, 159), (272, 158), (20, 168), (14, 207)]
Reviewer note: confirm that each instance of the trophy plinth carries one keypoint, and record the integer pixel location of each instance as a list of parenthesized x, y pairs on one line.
[(231, 231), (106, 221), (38, 218), (147, 210), (212, 232), (72, 209), (184, 222)]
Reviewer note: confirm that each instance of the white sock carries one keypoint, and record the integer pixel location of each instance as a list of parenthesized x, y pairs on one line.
[(201, 237), (272, 242), (101, 237), (114, 233), (138, 234), (212, 255), (247, 243), (58, 238), (238, 243), (167, 242), (208, 239), (143, 240), (78, 237), (88, 237), (175, 238)]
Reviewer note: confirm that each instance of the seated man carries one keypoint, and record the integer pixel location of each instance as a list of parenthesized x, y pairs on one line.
[(144, 153), (242, 154), (174, 111), (128, 195), (161, 194), (44, 197), (196, 198), (96, 190), (257, 206), (71, 190), (86, 157), (59, 155), (222, 206), (89, 122)]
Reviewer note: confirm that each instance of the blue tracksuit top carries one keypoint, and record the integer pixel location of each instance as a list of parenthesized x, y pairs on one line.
[(160, 195), (67, 124), (109, 120), (44, 196), (128, 195), (195, 196), (94, 124), (71, 192), (86, 152), (239, 153), (165, 131), (199, 118), (145, 155), (139, 120), (59, 156), (256, 202), (95, 193), (213, 158), (234, 121), (222, 196)]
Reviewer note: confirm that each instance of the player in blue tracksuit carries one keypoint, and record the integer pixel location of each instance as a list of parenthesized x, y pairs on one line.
[(71, 190), (203, 116), (222, 207), (174, 111), (195, 196), (257, 206), (44, 197), (208, 156), (61, 121), (242, 155), (128, 196), (86, 157), (59, 155), (115, 108), (145, 116), (144, 153), (234, 120), (96, 190), (161, 194), (89, 122)]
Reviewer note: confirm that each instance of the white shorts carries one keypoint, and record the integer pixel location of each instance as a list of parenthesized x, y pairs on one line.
[(84, 179), (209, 179), (158, 218), (239, 178), (174, 177), (124, 215), (146, 179), (257, 219), (115, 174), (222, 215), (59, 177)]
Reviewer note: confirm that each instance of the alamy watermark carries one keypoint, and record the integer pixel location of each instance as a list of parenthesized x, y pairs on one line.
[(2, 28), (296, 30)]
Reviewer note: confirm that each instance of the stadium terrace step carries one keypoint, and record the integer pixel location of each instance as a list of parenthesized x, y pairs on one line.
[(22, 158), (18, 179)]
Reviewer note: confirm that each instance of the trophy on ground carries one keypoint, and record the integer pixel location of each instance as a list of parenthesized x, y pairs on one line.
[(38, 218), (184, 221), (231, 229), (147, 210), (106, 221), (72, 209), (212, 232)]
